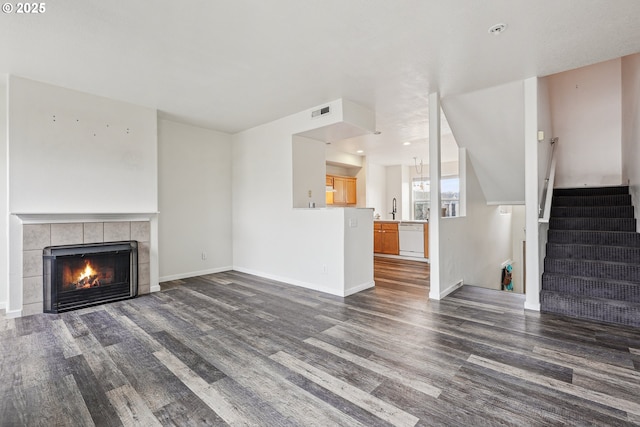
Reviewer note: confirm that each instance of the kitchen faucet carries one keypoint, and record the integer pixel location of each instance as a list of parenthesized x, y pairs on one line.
[(394, 209)]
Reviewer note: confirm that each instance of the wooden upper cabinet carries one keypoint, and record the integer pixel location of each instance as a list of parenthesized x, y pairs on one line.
[(345, 190), (350, 188), (340, 193)]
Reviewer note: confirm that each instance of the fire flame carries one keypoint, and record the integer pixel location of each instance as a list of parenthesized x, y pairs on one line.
[(88, 272), (88, 278)]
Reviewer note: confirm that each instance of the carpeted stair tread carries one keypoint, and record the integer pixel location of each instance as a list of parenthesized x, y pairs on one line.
[(591, 211), (589, 237), (608, 200), (590, 268), (599, 309), (592, 287), (592, 261), (591, 191), (602, 224), (624, 254)]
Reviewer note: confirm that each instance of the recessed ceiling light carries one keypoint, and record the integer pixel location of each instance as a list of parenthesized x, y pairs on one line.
[(406, 143), (497, 29), (360, 151)]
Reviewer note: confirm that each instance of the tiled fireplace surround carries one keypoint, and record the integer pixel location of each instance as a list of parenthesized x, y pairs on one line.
[(35, 237)]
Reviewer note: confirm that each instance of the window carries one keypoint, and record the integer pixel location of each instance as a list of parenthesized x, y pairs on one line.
[(450, 197)]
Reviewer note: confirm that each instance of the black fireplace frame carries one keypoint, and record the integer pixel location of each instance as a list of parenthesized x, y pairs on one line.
[(53, 294)]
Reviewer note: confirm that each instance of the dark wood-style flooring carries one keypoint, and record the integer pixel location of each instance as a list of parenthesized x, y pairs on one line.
[(235, 349)]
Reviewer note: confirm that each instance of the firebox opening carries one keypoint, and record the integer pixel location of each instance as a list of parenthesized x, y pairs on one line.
[(82, 275)]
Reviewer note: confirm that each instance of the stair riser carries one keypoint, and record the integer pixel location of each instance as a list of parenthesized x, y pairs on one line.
[(592, 212), (572, 306), (626, 272), (616, 200), (594, 238), (593, 288), (600, 191), (598, 253), (600, 224)]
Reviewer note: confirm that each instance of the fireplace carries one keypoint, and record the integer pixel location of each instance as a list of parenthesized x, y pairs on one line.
[(77, 276)]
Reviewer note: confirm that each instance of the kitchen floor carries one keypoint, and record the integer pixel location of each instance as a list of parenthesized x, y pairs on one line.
[(402, 275)]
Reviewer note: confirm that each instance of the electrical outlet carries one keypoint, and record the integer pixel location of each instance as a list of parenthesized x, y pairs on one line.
[(324, 269), (310, 193), (204, 255)]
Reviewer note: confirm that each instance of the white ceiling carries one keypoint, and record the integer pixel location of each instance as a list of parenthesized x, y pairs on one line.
[(231, 65)]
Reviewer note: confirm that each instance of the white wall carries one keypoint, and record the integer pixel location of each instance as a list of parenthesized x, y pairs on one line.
[(72, 152), (4, 208), (545, 124), (489, 123), (377, 188), (304, 247), (309, 172), (398, 186), (631, 127), (194, 184), (586, 108), (472, 248), (358, 250), (361, 184), (518, 236)]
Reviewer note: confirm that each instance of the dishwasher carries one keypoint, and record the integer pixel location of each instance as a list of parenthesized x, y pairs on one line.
[(411, 238)]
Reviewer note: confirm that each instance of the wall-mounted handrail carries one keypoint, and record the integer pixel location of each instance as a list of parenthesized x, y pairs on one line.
[(547, 192)]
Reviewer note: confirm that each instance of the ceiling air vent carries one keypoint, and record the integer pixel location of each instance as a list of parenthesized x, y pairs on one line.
[(321, 112)]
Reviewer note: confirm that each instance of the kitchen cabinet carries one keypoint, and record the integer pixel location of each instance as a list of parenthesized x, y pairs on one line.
[(329, 193), (344, 190), (426, 240), (385, 238)]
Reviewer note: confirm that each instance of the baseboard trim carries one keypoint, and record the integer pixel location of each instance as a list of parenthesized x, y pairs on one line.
[(12, 314), (289, 281), (531, 306), (3, 305), (192, 274), (447, 290), (155, 288), (359, 288), (407, 258)]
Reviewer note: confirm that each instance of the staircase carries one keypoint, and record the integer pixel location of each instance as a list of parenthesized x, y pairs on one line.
[(592, 266)]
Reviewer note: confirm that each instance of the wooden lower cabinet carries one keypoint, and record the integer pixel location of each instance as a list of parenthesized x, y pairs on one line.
[(385, 238)]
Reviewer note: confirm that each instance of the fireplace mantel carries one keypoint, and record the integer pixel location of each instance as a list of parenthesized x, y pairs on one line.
[(62, 217)]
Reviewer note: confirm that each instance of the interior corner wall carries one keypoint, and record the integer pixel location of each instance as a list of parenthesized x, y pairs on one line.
[(4, 208), (631, 128), (194, 184), (586, 110), (472, 248)]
